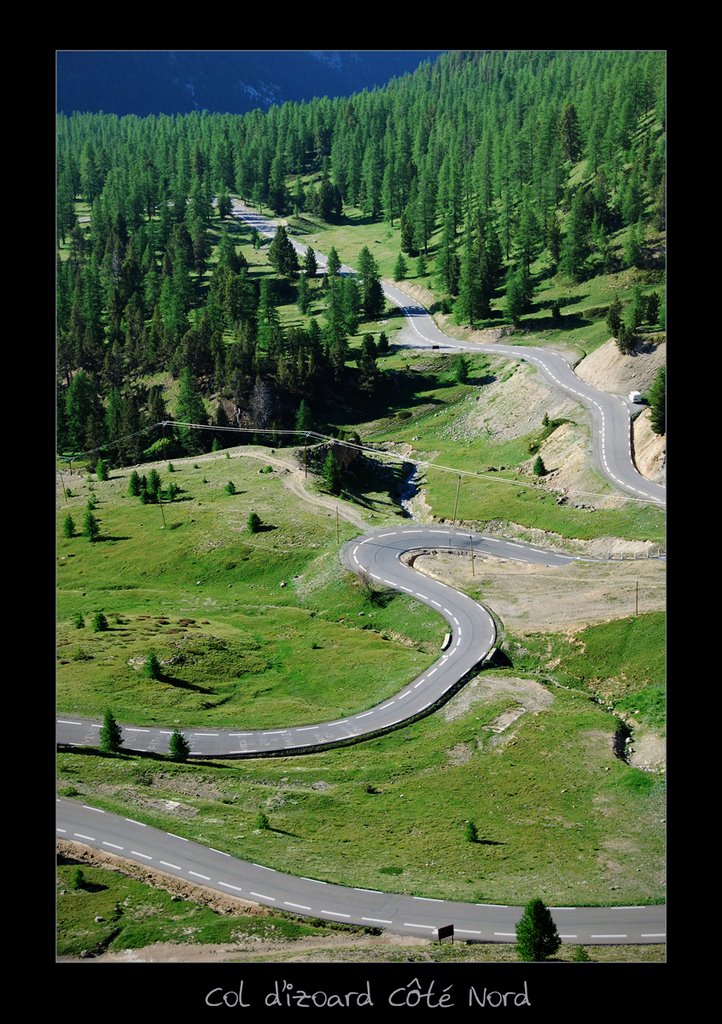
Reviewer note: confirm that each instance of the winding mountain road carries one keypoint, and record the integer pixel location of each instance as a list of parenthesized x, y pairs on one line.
[(377, 555), (610, 414), (469, 639)]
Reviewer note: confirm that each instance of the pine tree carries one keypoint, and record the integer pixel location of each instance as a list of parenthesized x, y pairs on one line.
[(400, 268), (111, 735), (304, 417), (614, 316), (178, 746), (626, 338), (633, 247), (515, 299), (310, 265), (421, 268), (570, 133), (254, 523), (262, 821), (468, 306), (653, 306), (460, 368), (539, 467), (303, 295), (91, 526), (154, 484), (100, 623), (657, 396), (190, 409), (282, 255), (471, 834), (383, 344), (575, 247), (333, 262), (637, 309), (68, 526), (134, 484), (332, 473), (407, 235), (536, 934), (151, 667)]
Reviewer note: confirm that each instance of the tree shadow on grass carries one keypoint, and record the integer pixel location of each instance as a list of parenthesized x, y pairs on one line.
[(106, 537), (183, 684), (489, 842), (266, 528)]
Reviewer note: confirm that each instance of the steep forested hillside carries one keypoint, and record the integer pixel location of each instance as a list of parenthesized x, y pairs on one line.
[(501, 170)]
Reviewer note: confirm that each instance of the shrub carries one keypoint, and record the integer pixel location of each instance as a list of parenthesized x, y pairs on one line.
[(78, 620), (216, 446), (154, 484), (151, 667), (580, 955), (470, 833), (230, 487), (262, 821), (111, 735), (134, 484), (76, 879), (100, 623), (171, 467), (178, 746), (101, 470)]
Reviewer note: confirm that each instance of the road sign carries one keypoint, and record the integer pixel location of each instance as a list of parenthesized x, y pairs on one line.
[(446, 931)]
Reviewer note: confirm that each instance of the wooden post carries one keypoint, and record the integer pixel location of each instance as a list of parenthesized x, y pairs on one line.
[(456, 502)]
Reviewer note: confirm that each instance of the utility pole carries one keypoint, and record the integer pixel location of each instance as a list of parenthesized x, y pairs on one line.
[(471, 545), (456, 502), (338, 532), (62, 482), (305, 457), (636, 598), (160, 502)]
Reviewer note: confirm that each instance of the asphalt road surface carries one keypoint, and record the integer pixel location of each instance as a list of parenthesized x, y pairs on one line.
[(410, 915), (469, 638), (610, 414)]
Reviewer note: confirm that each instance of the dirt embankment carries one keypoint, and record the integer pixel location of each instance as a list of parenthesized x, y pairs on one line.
[(160, 880), (609, 370), (538, 598), (650, 449), (512, 405)]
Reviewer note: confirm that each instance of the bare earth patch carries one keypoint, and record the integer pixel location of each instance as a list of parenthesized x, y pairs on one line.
[(649, 751), (514, 406), (169, 883), (607, 369), (486, 688), (539, 598), (650, 449), (298, 949)]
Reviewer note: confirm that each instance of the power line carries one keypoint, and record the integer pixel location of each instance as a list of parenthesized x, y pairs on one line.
[(380, 453)]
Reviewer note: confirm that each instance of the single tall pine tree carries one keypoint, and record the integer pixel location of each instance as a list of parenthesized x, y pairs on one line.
[(536, 934), (111, 735)]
